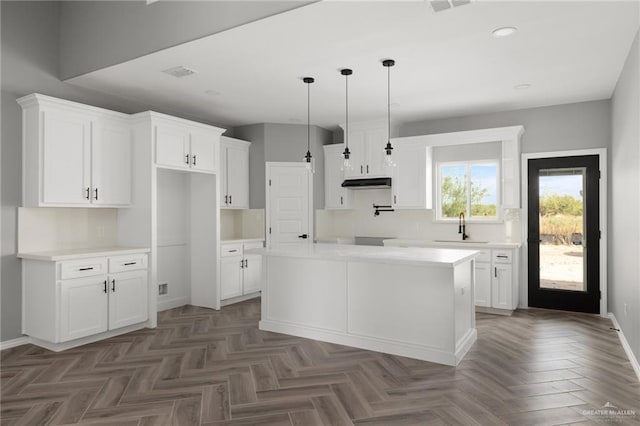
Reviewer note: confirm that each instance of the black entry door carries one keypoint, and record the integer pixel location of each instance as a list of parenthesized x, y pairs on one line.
[(564, 235)]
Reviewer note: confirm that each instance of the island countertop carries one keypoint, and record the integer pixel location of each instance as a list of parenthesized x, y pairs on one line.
[(444, 257)]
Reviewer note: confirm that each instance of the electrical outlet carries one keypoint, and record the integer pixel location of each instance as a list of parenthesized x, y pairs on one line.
[(163, 288)]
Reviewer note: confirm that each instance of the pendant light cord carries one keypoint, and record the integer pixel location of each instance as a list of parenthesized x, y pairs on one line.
[(346, 108), (389, 103), (308, 117)]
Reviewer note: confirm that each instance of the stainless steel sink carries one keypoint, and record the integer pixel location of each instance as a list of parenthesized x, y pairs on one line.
[(461, 241)]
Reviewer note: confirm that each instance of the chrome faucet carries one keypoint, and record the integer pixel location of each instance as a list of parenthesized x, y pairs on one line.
[(462, 224)]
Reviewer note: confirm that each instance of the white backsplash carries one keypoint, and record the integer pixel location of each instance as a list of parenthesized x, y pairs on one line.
[(45, 229), (241, 224), (416, 224)]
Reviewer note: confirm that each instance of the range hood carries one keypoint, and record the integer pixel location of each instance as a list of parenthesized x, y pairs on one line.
[(367, 183)]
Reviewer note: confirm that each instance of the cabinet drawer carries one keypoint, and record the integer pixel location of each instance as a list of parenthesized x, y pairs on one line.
[(484, 256), (130, 262), (229, 250), (249, 246), (502, 256), (83, 268)]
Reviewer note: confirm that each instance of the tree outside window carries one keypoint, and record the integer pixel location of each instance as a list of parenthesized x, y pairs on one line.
[(470, 188)]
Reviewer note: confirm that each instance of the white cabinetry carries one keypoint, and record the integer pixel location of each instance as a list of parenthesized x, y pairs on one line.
[(86, 299), (240, 273), (335, 196), (483, 272), (412, 176), (74, 155), (234, 182), (366, 143), (184, 145), (504, 292)]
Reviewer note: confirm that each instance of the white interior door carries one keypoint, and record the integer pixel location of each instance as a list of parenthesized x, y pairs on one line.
[(289, 203)]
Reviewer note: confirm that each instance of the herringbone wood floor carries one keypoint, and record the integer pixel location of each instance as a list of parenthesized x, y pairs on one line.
[(203, 366)]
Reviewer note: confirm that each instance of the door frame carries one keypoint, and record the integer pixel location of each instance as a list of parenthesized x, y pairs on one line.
[(267, 200), (524, 273)]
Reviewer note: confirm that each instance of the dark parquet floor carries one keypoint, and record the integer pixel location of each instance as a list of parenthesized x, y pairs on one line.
[(215, 367)]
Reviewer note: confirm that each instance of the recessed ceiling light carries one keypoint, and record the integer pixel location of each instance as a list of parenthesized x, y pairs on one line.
[(522, 86), (212, 93), (504, 31)]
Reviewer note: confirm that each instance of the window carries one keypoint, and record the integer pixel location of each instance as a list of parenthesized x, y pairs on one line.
[(470, 188)]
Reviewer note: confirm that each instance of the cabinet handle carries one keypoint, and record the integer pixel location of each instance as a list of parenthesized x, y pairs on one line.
[(367, 169), (341, 201), (113, 285), (187, 159), (242, 263), (361, 170), (130, 263), (394, 200), (105, 286), (495, 272), (86, 269), (88, 190), (226, 200), (194, 159), (96, 194), (502, 256), (230, 200), (246, 263), (232, 251)]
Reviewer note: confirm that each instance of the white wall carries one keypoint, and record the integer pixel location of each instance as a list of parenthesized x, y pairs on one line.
[(624, 211)]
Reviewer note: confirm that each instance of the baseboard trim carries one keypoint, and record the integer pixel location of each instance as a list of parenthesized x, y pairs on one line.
[(18, 341), (165, 305), (625, 345)]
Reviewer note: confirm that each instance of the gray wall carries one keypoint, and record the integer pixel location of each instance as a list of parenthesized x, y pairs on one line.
[(624, 211), (97, 34), (30, 62), (560, 127), (282, 142)]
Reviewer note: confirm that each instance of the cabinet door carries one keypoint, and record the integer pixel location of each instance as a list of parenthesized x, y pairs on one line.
[(376, 140), (501, 287), (204, 151), (335, 196), (482, 287), (230, 277), (128, 292), (357, 147), (83, 307), (66, 158), (238, 177), (172, 146), (411, 178), (111, 163), (252, 272)]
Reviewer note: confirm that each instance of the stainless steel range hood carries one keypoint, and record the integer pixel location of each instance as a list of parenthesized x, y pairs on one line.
[(367, 183)]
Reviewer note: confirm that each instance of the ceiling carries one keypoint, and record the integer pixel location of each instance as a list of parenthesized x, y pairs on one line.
[(447, 63)]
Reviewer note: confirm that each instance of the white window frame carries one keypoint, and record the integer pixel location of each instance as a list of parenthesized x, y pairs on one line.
[(468, 163)]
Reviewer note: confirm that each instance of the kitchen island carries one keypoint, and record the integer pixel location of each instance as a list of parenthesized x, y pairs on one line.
[(414, 302)]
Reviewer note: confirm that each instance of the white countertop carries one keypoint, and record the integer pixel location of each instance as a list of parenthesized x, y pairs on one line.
[(71, 254), (402, 242), (243, 240), (414, 256)]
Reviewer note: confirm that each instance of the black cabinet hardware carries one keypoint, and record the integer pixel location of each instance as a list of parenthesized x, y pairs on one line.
[(88, 190), (361, 170), (130, 263), (395, 200), (242, 263), (86, 269), (229, 199), (246, 263), (194, 159), (96, 194), (341, 201), (105, 286), (502, 256), (495, 272), (233, 251), (367, 169), (113, 285), (303, 236), (226, 199), (187, 159)]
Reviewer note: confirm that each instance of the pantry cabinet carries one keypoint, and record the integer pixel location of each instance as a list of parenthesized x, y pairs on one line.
[(66, 301), (335, 196), (234, 173), (74, 155), (240, 272)]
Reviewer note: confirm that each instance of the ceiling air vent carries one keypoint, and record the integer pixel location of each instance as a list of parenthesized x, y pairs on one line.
[(179, 71), (440, 5)]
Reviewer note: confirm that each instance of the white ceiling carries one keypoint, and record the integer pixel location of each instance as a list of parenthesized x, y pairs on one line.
[(447, 63)]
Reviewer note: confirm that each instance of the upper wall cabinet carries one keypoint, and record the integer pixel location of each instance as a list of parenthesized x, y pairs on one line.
[(411, 181), (74, 155), (182, 144), (234, 173), (367, 141), (335, 196)]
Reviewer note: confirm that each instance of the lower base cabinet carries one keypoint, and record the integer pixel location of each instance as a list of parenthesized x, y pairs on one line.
[(65, 301), (240, 273)]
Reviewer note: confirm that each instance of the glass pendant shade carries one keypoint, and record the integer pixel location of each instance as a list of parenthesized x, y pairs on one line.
[(307, 157), (388, 162), (347, 164)]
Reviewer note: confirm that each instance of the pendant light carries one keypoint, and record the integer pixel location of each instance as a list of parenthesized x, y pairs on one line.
[(388, 149), (346, 160), (307, 157)]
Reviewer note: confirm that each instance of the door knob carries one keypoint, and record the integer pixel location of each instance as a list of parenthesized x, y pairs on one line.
[(303, 236)]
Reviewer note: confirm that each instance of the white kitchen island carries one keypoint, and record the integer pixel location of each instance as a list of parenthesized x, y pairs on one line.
[(414, 302)]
